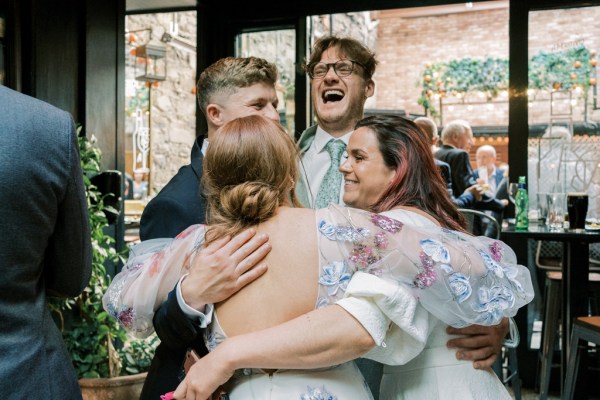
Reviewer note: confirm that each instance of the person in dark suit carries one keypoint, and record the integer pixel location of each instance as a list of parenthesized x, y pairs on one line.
[(228, 89), (457, 138), (45, 248), (494, 182), (473, 193)]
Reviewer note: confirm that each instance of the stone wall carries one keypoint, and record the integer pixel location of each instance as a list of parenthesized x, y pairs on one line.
[(173, 111)]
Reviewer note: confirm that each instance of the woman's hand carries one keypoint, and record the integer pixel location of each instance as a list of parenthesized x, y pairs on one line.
[(204, 378)]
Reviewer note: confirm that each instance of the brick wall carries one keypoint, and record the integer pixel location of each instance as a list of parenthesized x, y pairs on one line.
[(406, 44)]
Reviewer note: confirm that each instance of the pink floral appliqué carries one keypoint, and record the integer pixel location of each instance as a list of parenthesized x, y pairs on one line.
[(126, 317), (187, 232), (497, 251), (427, 277), (155, 262), (381, 240), (363, 256), (387, 224)]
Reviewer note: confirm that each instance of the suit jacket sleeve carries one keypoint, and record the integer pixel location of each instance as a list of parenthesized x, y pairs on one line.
[(163, 217), (68, 259), (465, 200), (463, 173), (174, 328)]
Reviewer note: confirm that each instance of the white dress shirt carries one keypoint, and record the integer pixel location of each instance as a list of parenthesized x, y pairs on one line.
[(316, 162)]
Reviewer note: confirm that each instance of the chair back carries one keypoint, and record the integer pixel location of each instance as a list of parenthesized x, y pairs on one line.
[(474, 217), (548, 256)]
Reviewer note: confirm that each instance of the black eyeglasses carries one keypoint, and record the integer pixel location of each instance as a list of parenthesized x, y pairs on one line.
[(342, 68)]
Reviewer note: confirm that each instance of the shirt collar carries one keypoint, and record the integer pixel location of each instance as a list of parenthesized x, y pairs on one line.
[(322, 138), (204, 147)]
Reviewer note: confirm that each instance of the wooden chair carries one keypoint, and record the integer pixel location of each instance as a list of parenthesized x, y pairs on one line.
[(585, 329)]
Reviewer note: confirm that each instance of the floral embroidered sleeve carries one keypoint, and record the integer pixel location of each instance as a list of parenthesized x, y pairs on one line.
[(460, 279), (151, 272)]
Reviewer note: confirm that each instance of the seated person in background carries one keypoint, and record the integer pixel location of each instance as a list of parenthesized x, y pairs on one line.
[(140, 185), (471, 194), (494, 183), (395, 263), (457, 138), (128, 190)]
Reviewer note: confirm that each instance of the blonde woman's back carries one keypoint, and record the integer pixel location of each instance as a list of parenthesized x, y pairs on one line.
[(289, 288)]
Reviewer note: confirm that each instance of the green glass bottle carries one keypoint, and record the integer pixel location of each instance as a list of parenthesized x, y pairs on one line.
[(522, 205)]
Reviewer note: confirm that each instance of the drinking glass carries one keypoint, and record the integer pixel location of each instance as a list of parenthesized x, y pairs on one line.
[(512, 191), (542, 202), (577, 205), (483, 178), (556, 211)]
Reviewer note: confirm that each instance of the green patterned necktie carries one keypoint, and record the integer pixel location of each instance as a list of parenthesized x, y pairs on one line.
[(329, 191)]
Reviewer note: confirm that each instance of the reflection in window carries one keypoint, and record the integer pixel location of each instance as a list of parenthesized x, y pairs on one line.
[(167, 108), (278, 47), (564, 113)]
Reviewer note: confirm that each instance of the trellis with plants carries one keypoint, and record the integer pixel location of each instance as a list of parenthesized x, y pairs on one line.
[(572, 69)]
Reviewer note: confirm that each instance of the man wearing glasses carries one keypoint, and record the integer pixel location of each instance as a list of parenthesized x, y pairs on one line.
[(341, 70)]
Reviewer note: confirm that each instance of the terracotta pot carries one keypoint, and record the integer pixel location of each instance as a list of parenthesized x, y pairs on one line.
[(118, 388)]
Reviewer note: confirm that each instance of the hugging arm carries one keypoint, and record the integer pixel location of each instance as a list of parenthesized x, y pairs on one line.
[(218, 271), (481, 344), (155, 266), (321, 338)]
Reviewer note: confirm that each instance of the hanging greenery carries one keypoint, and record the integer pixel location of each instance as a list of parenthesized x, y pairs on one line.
[(565, 70)]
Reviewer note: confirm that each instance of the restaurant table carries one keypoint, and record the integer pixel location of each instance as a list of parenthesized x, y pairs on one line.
[(575, 270)]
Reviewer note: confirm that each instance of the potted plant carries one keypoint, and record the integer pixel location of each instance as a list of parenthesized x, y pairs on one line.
[(103, 356)]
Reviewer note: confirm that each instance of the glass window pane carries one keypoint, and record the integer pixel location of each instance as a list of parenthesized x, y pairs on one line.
[(564, 112), (278, 47)]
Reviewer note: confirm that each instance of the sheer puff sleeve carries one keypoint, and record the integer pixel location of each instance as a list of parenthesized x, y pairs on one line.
[(458, 278), (151, 272)]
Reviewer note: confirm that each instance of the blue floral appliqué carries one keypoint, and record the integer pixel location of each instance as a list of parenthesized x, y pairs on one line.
[(492, 265), (436, 250), (322, 302), (460, 286), (492, 302), (387, 224), (327, 229), (335, 276), (213, 339), (343, 233), (317, 394)]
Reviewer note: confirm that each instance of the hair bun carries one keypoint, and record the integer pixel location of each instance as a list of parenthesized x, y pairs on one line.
[(250, 202)]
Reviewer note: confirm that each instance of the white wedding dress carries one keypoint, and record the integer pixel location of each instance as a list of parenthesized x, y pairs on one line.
[(399, 280), (434, 373)]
